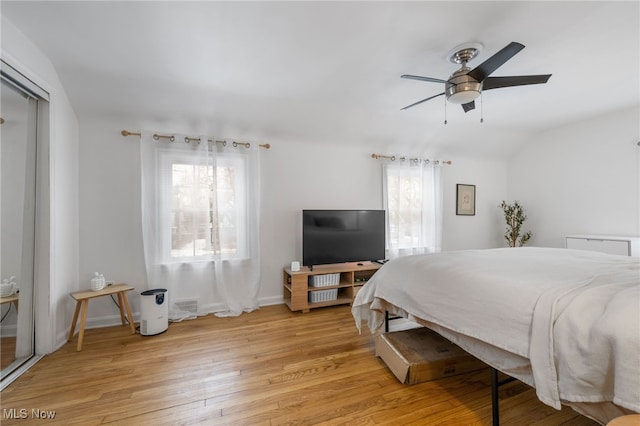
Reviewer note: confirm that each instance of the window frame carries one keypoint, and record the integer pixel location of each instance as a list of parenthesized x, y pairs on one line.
[(166, 161), (403, 173)]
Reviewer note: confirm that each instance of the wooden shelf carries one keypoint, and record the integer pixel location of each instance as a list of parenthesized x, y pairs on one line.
[(338, 301), (353, 276)]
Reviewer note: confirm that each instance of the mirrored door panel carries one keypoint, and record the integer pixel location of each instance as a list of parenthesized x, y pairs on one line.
[(18, 112)]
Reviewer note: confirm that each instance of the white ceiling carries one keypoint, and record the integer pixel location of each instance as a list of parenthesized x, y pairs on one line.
[(330, 71)]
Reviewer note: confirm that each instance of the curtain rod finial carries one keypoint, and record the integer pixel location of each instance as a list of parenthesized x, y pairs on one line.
[(124, 133)]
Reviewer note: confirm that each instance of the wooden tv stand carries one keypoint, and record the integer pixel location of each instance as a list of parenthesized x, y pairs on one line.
[(297, 290)]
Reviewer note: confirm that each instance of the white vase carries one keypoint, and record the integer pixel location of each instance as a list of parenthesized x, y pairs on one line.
[(97, 282), (7, 288)]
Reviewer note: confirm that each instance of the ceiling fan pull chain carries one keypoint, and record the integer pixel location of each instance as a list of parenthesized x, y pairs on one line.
[(445, 110), (481, 108)]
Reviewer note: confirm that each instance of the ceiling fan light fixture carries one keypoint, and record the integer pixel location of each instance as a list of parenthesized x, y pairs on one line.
[(461, 88), (463, 94)]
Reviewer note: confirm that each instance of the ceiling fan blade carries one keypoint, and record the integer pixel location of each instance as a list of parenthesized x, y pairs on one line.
[(483, 70), (518, 80), (417, 77), (469, 106), (424, 100)]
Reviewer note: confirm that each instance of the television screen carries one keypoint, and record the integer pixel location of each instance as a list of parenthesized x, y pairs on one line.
[(337, 236)]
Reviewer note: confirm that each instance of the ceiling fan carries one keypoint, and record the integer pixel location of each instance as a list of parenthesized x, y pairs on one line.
[(466, 84)]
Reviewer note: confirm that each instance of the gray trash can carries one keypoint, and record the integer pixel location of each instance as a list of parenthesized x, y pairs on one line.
[(154, 311)]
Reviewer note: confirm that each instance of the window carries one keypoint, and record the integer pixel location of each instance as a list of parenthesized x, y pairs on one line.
[(204, 207), (200, 210), (404, 207), (413, 202)]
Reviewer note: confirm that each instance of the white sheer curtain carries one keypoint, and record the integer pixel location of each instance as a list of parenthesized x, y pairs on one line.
[(200, 223), (412, 197)]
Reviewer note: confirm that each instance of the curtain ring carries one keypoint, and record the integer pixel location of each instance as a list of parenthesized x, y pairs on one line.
[(436, 162), (247, 145), (186, 139), (224, 143), (157, 137), (393, 158), (402, 159), (426, 161)]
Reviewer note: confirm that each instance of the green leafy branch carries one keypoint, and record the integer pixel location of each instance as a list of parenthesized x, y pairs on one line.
[(515, 217)]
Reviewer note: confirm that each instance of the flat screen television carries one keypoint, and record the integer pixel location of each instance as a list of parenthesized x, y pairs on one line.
[(338, 236)]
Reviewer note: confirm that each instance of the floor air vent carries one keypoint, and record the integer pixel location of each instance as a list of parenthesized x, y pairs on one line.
[(188, 305)]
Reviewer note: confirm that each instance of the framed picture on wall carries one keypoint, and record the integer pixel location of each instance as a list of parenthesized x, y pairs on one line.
[(465, 200)]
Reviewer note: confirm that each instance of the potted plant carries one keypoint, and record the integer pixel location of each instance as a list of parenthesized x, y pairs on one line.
[(515, 217)]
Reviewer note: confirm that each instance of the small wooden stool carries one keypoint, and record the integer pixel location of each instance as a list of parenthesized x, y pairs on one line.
[(13, 299), (82, 303), (628, 420)]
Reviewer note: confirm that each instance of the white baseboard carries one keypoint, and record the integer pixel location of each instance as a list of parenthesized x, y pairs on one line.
[(113, 320), (271, 300), (9, 331)]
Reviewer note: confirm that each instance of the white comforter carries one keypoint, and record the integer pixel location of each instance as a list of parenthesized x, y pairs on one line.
[(574, 315)]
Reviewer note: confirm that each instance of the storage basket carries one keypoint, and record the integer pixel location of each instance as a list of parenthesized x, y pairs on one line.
[(323, 295), (324, 280)]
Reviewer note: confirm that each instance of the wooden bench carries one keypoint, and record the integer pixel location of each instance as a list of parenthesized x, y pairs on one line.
[(82, 303), (13, 299)]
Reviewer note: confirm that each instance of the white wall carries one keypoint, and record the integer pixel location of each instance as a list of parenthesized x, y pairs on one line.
[(55, 307), (485, 229), (110, 219), (580, 178), (301, 176), (295, 176)]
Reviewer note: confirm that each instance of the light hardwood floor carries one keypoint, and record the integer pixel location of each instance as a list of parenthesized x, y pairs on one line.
[(269, 367)]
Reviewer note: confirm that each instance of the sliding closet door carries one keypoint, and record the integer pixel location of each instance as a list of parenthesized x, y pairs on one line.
[(18, 137)]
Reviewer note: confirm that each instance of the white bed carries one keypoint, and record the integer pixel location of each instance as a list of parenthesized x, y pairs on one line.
[(566, 322)]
